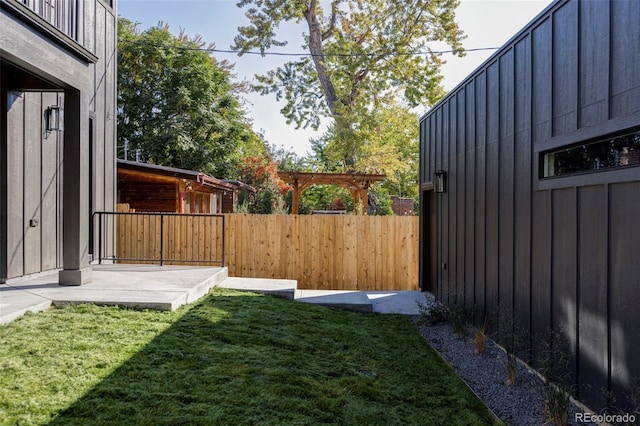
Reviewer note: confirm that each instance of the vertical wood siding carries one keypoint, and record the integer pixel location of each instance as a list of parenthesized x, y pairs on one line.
[(33, 185), (32, 160), (104, 108), (559, 254)]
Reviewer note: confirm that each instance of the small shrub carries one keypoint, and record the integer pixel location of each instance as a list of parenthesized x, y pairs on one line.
[(453, 313), (458, 315), (556, 392), (241, 207), (279, 205), (432, 313), (632, 400), (556, 404), (480, 336), (512, 368), (508, 336)]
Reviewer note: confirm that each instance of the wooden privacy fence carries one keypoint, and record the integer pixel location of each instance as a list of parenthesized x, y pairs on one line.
[(337, 252), (331, 252)]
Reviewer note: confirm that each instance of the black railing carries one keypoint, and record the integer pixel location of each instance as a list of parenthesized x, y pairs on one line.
[(159, 238), (62, 14)]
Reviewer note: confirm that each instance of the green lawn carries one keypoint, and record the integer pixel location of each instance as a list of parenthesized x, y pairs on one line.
[(233, 358)]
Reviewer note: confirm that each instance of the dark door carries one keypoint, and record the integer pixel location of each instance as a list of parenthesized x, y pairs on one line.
[(429, 243)]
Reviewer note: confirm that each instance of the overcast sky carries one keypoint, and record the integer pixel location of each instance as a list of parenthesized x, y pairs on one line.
[(487, 23)]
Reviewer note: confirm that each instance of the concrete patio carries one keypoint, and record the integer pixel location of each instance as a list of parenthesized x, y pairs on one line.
[(133, 286), (169, 287)]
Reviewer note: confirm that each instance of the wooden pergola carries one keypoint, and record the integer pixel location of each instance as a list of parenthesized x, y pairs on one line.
[(357, 183)]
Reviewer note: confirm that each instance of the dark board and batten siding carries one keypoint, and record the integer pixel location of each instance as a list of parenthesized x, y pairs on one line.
[(53, 180), (559, 253), (34, 187)]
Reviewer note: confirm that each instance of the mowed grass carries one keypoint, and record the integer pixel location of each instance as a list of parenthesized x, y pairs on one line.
[(231, 359)]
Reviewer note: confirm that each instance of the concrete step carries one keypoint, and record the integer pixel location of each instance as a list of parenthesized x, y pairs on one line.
[(279, 288), (351, 300), (391, 302), (142, 287)]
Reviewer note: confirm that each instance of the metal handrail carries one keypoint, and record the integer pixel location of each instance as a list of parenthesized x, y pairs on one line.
[(111, 241)]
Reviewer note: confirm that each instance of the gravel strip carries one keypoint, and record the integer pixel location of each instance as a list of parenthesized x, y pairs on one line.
[(519, 404)]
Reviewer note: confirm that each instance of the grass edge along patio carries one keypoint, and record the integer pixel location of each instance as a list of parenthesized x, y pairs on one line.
[(232, 358)]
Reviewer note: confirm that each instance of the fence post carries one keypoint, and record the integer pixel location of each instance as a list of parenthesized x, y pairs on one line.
[(223, 236), (161, 240), (99, 237)]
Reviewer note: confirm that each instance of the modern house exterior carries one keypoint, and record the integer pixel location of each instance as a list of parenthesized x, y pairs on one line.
[(153, 188), (530, 193), (57, 131)]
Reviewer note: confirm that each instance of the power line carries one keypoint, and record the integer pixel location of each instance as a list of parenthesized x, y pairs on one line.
[(229, 51)]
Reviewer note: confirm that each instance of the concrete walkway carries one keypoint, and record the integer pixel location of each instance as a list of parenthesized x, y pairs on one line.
[(169, 287), (387, 302)]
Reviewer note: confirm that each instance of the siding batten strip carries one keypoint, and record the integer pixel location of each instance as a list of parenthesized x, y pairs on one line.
[(607, 221), (577, 294)]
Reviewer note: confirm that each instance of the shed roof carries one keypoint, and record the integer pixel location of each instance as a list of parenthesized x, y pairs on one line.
[(176, 173)]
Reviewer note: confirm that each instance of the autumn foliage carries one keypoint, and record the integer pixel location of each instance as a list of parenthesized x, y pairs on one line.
[(262, 174), (258, 171)]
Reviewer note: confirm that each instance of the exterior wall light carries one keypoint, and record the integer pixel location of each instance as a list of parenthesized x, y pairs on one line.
[(440, 181), (54, 118)]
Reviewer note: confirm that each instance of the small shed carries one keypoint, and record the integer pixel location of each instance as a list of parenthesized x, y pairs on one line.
[(153, 188)]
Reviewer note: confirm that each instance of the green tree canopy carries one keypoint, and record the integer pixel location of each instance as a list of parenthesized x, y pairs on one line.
[(362, 54), (388, 143), (176, 103), (391, 146)]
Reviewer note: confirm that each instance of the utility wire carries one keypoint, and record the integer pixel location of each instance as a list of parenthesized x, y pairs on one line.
[(214, 50)]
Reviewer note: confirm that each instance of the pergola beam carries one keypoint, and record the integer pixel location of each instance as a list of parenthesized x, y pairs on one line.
[(357, 183)]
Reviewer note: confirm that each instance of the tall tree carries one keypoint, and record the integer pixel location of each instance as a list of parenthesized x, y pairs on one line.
[(392, 148), (176, 103), (362, 53)]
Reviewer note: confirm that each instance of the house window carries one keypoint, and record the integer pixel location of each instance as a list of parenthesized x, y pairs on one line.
[(187, 207), (198, 206), (613, 151), (214, 203)]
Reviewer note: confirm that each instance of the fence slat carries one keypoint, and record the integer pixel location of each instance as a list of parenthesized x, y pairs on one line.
[(321, 252)]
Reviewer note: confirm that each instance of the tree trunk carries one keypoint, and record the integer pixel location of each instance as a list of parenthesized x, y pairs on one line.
[(317, 54), (343, 128)]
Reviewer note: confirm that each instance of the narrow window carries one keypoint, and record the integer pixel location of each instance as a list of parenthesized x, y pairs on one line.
[(187, 208), (606, 153), (198, 203)]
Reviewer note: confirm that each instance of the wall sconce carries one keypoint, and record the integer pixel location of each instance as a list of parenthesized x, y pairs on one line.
[(440, 182), (54, 118)]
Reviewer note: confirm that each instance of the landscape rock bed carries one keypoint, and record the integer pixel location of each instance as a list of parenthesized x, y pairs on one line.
[(518, 404)]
